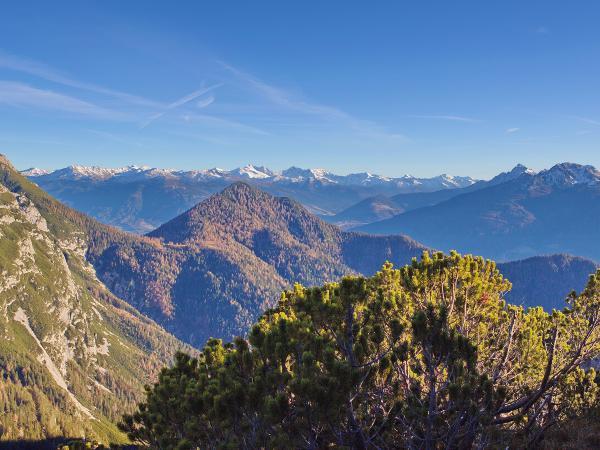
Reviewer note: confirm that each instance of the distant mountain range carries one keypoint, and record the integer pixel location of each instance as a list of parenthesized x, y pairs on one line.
[(72, 349), (251, 172), (73, 357), (381, 207), (553, 211), (139, 199)]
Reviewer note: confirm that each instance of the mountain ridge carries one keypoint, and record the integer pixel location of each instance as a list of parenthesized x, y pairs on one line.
[(249, 172), (141, 198), (381, 207), (553, 211)]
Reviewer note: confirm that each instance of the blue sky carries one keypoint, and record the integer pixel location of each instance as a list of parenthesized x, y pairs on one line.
[(391, 87)]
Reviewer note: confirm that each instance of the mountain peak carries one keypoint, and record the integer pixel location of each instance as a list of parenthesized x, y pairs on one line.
[(516, 172), (237, 188), (240, 206), (34, 172), (520, 169), (569, 174), (297, 173), (251, 171)]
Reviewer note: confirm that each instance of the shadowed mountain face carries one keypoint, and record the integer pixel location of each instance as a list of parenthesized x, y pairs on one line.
[(139, 199), (381, 207), (546, 280), (369, 210), (554, 211), (73, 357)]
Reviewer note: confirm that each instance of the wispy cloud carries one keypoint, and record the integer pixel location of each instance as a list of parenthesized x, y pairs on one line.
[(28, 140), (511, 130), (25, 96), (542, 30), (294, 103), (283, 98), (450, 118), (182, 101), (218, 122), (587, 120), (47, 73), (203, 103), (260, 103)]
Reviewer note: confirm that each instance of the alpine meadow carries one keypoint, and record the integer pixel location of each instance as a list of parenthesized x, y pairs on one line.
[(299, 225)]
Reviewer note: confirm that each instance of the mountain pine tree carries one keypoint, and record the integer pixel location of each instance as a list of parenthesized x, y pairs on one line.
[(427, 356)]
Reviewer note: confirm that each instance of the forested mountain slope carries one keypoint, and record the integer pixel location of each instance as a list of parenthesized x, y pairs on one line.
[(215, 268), (546, 280)]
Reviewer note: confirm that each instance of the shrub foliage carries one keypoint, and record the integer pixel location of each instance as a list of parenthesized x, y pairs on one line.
[(427, 356)]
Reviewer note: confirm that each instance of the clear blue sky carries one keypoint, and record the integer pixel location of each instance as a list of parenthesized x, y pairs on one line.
[(392, 87)]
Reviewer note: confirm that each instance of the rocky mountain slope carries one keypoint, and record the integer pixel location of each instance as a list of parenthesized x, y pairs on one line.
[(73, 357), (554, 211), (140, 198)]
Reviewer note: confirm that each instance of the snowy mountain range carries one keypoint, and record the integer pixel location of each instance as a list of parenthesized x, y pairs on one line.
[(140, 198), (252, 172), (381, 207)]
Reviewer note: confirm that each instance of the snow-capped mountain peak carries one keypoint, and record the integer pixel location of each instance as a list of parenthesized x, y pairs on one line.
[(518, 171), (364, 179), (77, 171), (569, 174), (251, 171), (299, 174), (34, 172)]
